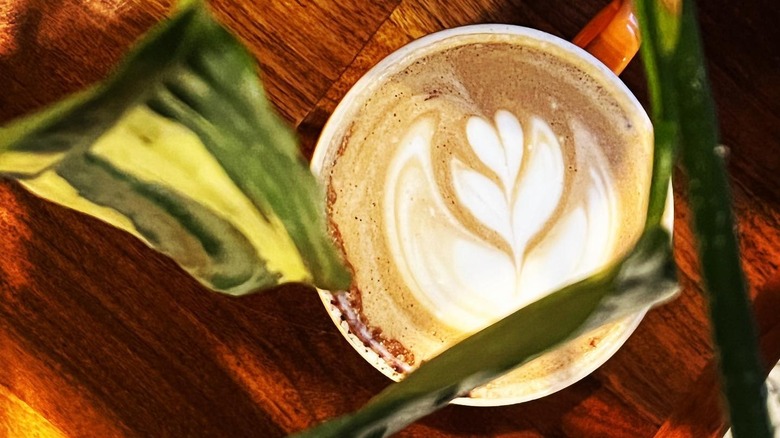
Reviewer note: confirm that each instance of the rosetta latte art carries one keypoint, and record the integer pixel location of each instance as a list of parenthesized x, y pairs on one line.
[(459, 274)]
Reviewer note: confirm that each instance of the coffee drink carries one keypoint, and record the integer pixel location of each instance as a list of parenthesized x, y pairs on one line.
[(473, 176)]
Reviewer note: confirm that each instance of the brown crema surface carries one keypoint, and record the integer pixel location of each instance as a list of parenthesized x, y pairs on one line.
[(461, 77)]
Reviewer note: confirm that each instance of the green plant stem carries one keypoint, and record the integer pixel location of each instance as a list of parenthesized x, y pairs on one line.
[(710, 199), (686, 87)]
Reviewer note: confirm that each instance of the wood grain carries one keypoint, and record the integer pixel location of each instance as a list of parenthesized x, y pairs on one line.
[(100, 336)]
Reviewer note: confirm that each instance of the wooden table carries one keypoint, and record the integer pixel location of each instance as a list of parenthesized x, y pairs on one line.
[(101, 336)]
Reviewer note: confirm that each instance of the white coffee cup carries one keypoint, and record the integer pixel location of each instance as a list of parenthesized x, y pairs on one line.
[(532, 380)]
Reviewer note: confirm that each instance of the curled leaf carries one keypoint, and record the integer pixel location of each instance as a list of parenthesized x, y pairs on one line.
[(180, 148)]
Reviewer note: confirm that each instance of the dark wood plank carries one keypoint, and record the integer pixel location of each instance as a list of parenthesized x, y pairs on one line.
[(302, 46), (51, 48)]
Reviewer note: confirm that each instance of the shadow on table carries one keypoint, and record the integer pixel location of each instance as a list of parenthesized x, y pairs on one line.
[(50, 48)]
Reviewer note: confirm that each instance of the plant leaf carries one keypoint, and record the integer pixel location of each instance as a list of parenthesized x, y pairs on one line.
[(645, 277), (683, 106), (181, 148)]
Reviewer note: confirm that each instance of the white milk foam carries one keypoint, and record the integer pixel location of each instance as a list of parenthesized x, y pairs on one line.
[(474, 178), (464, 280)]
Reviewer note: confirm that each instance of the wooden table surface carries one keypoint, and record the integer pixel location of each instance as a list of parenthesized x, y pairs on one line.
[(101, 336)]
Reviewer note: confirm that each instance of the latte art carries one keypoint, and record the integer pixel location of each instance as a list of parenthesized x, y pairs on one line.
[(461, 277), (472, 179)]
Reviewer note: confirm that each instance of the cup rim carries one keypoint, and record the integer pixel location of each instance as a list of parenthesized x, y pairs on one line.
[(374, 76), (395, 62)]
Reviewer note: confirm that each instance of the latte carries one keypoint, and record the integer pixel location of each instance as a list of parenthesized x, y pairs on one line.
[(473, 177)]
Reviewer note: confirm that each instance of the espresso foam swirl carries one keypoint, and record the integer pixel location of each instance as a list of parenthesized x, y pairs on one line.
[(463, 279), (476, 178)]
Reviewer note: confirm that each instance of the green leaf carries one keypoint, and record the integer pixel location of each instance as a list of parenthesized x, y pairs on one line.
[(682, 98), (645, 277), (181, 148)]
